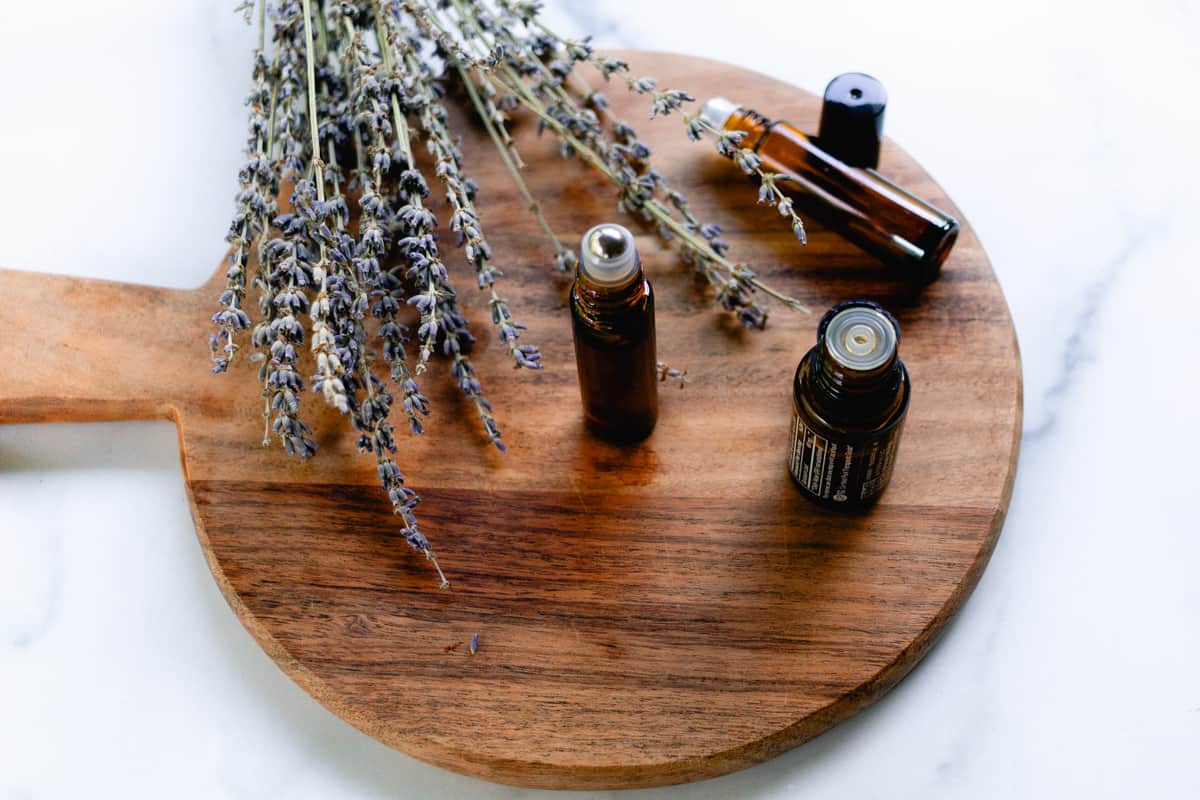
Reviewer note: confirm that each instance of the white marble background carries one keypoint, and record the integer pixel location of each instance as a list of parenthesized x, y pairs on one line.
[(1066, 131)]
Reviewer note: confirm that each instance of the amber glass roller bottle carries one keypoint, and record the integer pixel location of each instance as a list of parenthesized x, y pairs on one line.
[(877, 215), (612, 314)]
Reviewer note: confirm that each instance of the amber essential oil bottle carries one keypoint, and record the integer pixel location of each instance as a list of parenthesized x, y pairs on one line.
[(612, 314), (869, 210), (850, 396)]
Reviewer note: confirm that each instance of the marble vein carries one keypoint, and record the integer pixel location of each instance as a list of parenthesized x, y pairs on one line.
[(1079, 350)]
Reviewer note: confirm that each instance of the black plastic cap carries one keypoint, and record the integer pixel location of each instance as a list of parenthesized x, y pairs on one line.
[(852, 119)]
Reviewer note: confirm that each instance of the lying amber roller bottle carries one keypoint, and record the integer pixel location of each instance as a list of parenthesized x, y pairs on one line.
[(850, 397), (869, 210), (612, 313)]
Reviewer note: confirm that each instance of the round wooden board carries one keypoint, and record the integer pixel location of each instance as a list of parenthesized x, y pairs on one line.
[(647, 615)]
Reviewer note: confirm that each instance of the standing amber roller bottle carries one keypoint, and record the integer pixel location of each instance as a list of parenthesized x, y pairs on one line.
[(844, 192), (612, 313), (850, 396)]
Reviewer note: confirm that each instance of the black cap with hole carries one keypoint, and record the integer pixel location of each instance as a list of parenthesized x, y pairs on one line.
[(852, 119)]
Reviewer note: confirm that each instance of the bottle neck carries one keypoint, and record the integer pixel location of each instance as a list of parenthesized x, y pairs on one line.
[(836, 380), (753, 124), (599, 299), (850, 397)]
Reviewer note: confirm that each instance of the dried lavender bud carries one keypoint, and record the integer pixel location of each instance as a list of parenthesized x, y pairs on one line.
[(747, 160), (643, 85), (668, 101), (667, 372), (255, 206), (290, 256), (566, 261), (580, 50), (770, 194)]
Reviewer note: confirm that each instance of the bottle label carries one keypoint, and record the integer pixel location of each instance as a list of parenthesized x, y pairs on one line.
[(841, 471)]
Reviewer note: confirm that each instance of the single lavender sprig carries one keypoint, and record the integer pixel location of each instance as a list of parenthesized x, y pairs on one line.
[(289, 253), (255, 206), (261, 335), (289, 117), (729, 144), (291, 256), (337, 309)]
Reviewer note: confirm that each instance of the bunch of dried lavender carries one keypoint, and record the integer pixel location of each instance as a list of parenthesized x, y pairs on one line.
[(535, 70), (347, 89)]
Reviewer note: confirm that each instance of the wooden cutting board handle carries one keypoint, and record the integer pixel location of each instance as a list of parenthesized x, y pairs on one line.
[(84, 350)]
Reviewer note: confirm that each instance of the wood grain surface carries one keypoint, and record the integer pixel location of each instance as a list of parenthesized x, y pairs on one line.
[(646, 614)]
